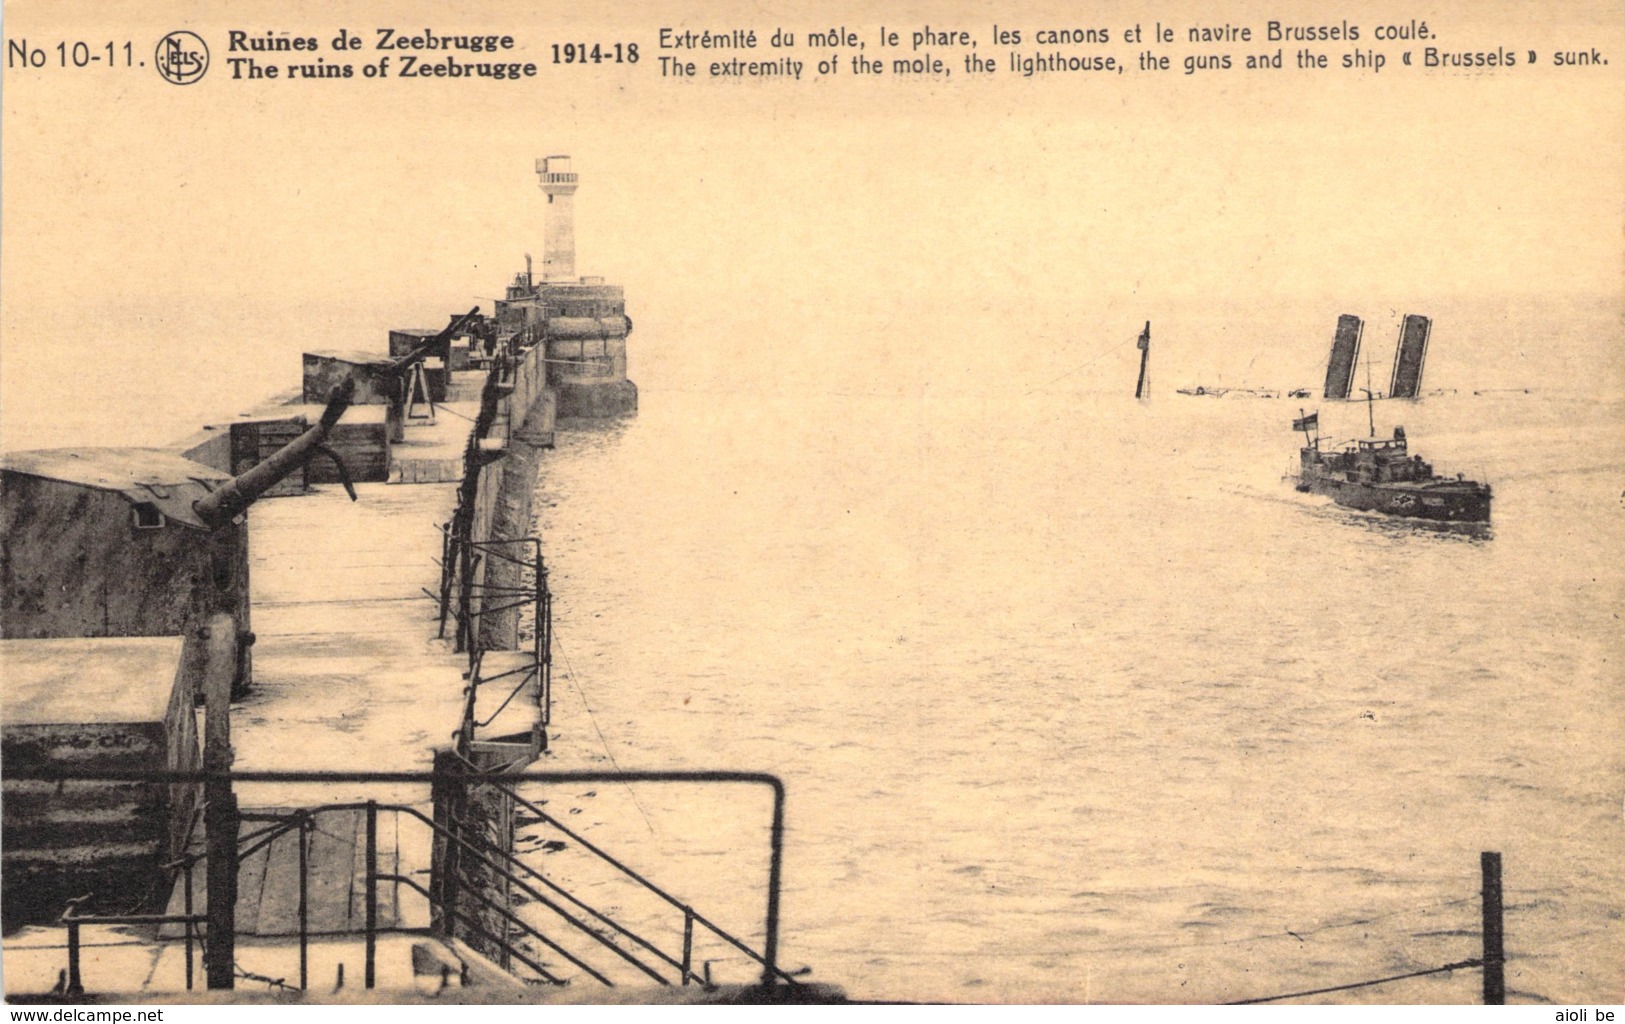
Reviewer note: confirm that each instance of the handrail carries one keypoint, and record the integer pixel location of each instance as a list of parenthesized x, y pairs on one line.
[(526, 669), (284, 824), (133, 919), (690, 915), (486, 545), (464, 841), (73, 921), (73, 984), (611, 922), (473, 554), (768, 958), (483, 777), (266, 836), (668, 897), (507, 915), (529, 672), (549, 904)]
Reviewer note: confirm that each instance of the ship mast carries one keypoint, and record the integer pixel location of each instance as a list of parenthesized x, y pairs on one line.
[(1370, 414), (1145, 359)]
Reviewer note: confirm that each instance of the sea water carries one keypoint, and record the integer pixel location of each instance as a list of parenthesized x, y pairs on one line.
[(1076, 698)]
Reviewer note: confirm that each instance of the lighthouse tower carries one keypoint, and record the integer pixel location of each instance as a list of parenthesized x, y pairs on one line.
[(559, 241), (581, 321)]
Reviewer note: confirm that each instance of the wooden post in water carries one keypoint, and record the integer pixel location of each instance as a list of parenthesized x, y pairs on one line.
[(1495, 992), (220, 804), (1145, 359)]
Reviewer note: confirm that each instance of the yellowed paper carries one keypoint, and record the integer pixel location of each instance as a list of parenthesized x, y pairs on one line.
[(1076, 697)]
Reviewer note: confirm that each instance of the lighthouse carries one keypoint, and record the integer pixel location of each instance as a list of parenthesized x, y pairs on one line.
[(581, 320), (559, 238)]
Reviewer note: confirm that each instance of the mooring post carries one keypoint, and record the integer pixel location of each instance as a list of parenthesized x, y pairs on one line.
[(1495, 990), (445, 862), (220, 804), (305, 825), (372, 892), (191, 926), (75, 985)]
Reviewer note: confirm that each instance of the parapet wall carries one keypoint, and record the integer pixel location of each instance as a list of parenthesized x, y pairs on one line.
[(525, 419), (530, 398), (77, 565), (585, 327)]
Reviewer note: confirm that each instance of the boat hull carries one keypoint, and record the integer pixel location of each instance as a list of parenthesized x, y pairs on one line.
[(1451, 502)]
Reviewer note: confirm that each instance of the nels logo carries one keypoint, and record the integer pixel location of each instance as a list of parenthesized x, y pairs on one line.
[(182, 57)]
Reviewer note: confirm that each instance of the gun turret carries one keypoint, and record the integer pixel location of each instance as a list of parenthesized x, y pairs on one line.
[(221, 506)]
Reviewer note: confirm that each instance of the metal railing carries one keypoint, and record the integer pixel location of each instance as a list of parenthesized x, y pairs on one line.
[(72, 981), (502, 863), (691, 917), (478, 596), (469, 593)]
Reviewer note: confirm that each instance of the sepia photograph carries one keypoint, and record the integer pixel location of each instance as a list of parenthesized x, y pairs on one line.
[(805, 504)]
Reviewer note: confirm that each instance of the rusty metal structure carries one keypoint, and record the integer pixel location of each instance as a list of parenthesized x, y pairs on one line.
[(1409, 356), (483, 579), (1344, 354)]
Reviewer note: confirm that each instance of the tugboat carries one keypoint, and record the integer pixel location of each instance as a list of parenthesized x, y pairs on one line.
[(1380, 475)]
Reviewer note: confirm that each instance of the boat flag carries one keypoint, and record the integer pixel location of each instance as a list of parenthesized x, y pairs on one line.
[(1306, 423)]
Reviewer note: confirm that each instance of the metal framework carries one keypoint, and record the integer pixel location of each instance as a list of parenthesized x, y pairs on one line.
[(474, 596), (470, 588), (449, 894)]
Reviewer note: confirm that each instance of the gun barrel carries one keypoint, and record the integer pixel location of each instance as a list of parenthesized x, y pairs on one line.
[(429, 346), (222, 506)]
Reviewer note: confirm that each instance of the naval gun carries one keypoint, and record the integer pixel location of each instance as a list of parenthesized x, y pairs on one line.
[(127, 586), (224, 504), (135, 542), (415, 382), (438, 345)]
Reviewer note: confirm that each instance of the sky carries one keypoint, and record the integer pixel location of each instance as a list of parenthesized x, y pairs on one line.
[(183, 235)]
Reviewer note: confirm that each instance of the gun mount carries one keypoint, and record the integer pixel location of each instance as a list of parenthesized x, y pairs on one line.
[(440, 344), (229, 501)]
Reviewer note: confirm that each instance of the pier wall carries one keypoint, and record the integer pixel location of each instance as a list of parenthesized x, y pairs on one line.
[(487, 816), (586, 334), (584, 326), (502, 504), (532, 403), (525, 422)]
